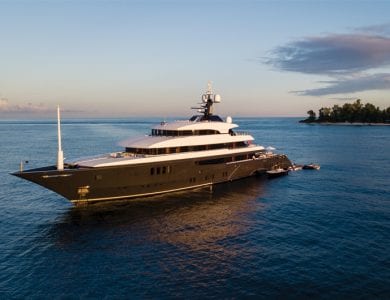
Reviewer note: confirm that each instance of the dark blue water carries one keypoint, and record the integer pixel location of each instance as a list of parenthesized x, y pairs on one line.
[(312, 234)]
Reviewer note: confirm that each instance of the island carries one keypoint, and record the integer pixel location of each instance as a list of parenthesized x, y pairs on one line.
[(350, 113)]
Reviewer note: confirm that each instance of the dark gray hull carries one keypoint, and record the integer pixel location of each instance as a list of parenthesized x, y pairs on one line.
[(83, 185)]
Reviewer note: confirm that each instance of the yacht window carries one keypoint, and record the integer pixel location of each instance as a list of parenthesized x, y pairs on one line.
[(205, 132), (193, 118), (211, 118), (161, 132), (240, 157), (186, 132), (211, 161), (156, 151)]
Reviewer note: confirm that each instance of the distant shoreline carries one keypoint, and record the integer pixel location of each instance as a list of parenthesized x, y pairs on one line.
[(355, 114), (346, 123)]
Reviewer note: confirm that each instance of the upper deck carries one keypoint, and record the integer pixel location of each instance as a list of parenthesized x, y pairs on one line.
[(187, 125)]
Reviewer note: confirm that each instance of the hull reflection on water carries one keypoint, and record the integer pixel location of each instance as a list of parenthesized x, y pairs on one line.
[(196, 219)]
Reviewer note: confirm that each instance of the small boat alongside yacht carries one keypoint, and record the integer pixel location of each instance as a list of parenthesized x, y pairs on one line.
[(295, 167), (311, 167), (277, 172)]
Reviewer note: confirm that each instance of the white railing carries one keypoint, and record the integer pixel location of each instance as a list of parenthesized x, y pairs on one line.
[(240, 133)]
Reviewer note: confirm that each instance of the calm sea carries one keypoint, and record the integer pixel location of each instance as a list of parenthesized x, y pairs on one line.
[(312, 234)]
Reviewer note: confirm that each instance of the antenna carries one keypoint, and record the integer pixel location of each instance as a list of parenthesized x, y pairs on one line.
[(209, 87), (60, 153)]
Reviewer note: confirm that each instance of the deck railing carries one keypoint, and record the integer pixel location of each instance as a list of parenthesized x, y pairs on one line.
[(240, 133)]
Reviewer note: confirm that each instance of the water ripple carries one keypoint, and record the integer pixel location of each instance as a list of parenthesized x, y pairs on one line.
[(322, 234)]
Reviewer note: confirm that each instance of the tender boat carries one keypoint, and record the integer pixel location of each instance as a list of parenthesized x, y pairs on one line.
[(311, 167), (201, 151), (295, 167), (277, 172)]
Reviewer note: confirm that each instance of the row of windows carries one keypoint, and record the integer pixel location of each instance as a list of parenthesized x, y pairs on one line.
[(161, 132), (222, 160), (167, 169), (210, 117), (155, 151), (160, 170)]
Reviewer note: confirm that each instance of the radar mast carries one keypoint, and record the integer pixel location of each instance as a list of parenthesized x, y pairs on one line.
[(208, 99)]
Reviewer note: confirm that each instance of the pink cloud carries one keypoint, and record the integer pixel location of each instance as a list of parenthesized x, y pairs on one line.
[(5, 106)]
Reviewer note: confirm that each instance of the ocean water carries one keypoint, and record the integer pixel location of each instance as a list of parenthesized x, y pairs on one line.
[(311, 234)]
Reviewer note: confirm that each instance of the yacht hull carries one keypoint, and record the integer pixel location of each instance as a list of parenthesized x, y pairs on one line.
[(84, 185)]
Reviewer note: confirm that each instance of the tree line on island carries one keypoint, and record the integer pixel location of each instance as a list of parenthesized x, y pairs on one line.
[(356, 112)]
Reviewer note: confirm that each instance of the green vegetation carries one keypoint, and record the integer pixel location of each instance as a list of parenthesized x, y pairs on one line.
[(356, 112)]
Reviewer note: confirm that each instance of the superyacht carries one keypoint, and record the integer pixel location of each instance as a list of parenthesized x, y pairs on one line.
[(201, 151)]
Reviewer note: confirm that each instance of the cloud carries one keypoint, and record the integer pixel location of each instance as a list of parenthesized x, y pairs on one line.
[(345, 58), (5, 106), (383, 29), (350, 85), (333, 54), (344, 98)]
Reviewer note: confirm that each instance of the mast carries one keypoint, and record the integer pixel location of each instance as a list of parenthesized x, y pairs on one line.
[(208, 99), (60, 153)]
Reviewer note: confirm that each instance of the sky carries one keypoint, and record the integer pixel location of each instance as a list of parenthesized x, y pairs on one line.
[(154, 58)]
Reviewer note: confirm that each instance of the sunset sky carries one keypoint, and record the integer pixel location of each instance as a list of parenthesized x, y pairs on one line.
[(154, 58)]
